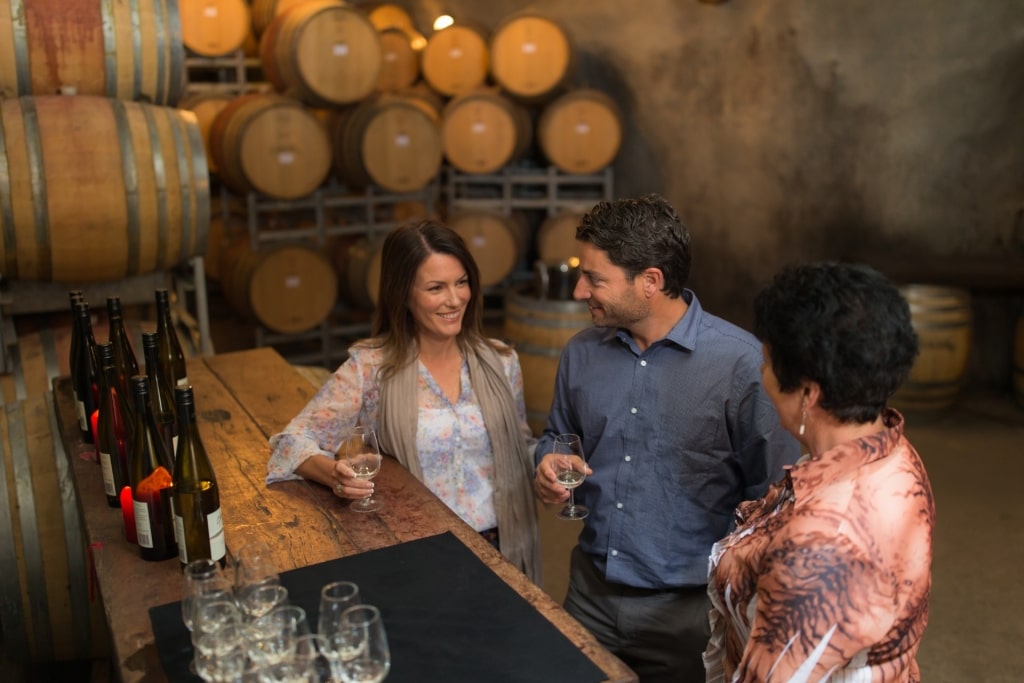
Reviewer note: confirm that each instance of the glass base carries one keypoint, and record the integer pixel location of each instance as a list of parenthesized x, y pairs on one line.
[(366, 505), (573, 512)]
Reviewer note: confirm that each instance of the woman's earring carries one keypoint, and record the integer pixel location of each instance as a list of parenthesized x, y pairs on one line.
[(803, 416)]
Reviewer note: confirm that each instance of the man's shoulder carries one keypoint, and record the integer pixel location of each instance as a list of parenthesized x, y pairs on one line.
[(725, 335)]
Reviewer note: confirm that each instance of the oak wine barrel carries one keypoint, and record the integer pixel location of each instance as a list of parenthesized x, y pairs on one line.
[(531, 56), (941, 316), (99, 189), (580, 131), (263, 13), (391, 139), (213, 28), (495, 240), (128, 50), (539, 330), (287, 288), (362, 265), (556, 237), (400, 58), (483, 130), (206, 106), (455, 59), (270, 144), (322, 52)]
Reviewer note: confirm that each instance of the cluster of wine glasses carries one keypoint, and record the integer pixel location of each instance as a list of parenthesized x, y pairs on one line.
[(245, 629)]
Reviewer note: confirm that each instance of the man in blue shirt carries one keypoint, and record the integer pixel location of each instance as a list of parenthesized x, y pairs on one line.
[(676, 431)]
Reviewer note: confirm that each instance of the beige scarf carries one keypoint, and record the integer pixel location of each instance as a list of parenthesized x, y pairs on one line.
[(513, 469)]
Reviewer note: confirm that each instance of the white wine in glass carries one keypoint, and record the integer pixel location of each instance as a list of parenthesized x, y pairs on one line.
[(570, 470), (361, 452)]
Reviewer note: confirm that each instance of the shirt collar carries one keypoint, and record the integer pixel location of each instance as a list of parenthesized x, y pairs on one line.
[(683, 334)]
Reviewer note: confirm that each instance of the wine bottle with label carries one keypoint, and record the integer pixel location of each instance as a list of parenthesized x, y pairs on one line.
[(161, 396), (86, 379), (111, 430), (172, 358), (196, 496), (151, 480)]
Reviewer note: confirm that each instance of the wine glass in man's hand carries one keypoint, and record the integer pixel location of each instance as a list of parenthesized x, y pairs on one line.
[(570, 470)]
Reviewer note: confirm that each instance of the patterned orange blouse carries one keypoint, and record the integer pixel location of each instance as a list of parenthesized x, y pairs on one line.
[(827, 577)]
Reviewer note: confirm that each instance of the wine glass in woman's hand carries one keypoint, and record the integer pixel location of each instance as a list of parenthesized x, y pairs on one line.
[(361, 453), (570, 470)]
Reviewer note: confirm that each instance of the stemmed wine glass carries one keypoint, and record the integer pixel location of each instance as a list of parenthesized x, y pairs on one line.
[(365, 655), (360, 451), (571, 470)]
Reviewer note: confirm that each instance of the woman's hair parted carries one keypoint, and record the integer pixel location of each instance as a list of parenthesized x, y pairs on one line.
[(404, 251), (844, 326)]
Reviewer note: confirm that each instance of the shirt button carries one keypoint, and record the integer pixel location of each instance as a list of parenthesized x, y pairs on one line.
[(643, 363), (618, 505), (628, 458), (633, 410), (615, 553)]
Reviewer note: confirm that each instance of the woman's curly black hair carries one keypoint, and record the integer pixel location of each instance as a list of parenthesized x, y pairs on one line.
[(844, 326)]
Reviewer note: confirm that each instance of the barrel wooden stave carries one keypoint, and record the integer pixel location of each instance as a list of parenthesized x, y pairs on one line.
[(539, 329), (129, 51), (139, 169)]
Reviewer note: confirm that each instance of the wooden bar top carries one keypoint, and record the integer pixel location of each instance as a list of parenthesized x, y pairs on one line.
[(242, 399)]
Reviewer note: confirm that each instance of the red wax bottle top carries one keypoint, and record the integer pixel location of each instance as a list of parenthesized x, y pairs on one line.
[(128, 514)]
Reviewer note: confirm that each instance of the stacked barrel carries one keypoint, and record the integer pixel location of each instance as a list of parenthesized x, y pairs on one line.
[(102, 179), (355, 100)]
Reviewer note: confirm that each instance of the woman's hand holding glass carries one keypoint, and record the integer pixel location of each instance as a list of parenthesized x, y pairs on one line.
[(360, 455)]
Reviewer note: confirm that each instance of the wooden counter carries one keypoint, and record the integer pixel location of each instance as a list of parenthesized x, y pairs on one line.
[(242, 399)]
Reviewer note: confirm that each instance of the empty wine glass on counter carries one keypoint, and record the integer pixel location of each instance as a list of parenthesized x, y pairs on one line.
[(366, 657), (305, 664), (202, 577), (259, 599), (271, 638), (361, 452), (255, 567), (219, 655), (335, 598), (571, 470)]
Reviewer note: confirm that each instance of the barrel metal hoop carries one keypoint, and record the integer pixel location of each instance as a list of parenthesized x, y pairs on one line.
[(7, 210), (23, 65), (31, 547), (110, 46), (184, 187), (78, 587), (40, 210), (131, 186), (11, 609), (160, 178)]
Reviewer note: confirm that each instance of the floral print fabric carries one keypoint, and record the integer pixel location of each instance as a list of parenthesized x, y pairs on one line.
[(451, 438)]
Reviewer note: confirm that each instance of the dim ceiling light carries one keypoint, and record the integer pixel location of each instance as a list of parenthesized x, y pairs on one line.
[(443, 21)]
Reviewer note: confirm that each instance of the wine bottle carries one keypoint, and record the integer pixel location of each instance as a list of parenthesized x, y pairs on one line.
[(75, 296), (87, 373), (196, 496), (111, 431), (161, 395), (172, 358), (151, 480), (124, 356)]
